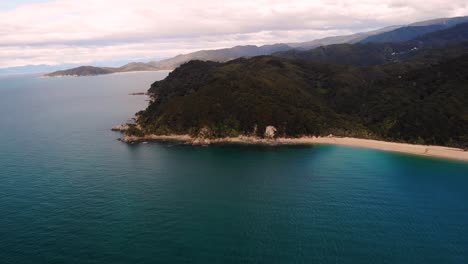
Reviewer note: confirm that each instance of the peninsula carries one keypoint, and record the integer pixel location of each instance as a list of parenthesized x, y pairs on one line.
[(413, 92)]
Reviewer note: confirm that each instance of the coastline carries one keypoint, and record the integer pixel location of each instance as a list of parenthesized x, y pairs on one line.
[(92, 75), (420, 150)]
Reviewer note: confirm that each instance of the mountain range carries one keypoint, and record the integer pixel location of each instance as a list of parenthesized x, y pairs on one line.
[(393, 33), (376, 53)]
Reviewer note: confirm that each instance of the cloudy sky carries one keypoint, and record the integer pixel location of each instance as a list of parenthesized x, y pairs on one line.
[(98, 31)]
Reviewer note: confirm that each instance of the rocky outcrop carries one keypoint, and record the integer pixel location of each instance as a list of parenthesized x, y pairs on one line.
[(136, 139), (120, 128), (270, 132)]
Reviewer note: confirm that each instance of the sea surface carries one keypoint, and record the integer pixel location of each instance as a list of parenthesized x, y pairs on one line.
[(71, 193)]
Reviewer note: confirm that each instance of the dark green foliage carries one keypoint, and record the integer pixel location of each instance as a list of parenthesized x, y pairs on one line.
[(409, 102), (82, 71), (416, 91), (361, 54), (235, 97), (133, 130)]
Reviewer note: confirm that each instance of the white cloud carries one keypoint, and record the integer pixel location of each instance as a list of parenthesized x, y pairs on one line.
[(68, 31)]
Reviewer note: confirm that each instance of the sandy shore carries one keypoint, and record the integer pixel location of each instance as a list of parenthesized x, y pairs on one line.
[(422, 150)]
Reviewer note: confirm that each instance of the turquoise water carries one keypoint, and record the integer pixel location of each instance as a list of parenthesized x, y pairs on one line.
[(71, 193)]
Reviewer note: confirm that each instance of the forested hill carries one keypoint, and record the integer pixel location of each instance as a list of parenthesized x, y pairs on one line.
[(415, 30), (82, 71), (398, 102), (369, 54)]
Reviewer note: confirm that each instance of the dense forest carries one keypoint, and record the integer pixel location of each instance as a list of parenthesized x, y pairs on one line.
[(422, 98)]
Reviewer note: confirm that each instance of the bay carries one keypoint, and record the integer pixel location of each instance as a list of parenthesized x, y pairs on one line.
[(71, 193)]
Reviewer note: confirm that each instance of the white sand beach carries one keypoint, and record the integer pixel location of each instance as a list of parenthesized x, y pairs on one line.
[(422, 150)]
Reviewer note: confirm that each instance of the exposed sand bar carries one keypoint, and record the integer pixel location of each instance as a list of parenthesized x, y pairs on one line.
[(422, 150)]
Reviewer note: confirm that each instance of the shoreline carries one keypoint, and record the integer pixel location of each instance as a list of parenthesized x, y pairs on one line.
[(405, 148), (93, 75)]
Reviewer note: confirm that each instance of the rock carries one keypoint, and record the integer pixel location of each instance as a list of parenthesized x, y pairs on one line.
[(270, 132), (203, 137), (120, 128), (129, 139), (200, 141), (205, 132)]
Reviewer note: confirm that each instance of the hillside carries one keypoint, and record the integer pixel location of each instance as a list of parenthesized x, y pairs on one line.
[(370, 54), (453, 35), (220, 55), (420, 105), (403, 34), (82, 71), (346, 39), (388, 34), (360, 54), (415, 30)]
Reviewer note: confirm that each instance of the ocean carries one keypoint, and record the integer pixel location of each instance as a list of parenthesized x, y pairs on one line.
[(71, 193)]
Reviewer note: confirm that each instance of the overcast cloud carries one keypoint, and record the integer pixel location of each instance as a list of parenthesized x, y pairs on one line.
[(86, 31)]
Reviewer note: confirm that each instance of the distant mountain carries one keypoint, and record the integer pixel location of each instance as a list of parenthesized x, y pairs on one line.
[(414, 30), (137, 66), (448, 21), (351, 39), (82, 71), (220, 55), (31, 69), (402, 34), (455, 34), (369, 54), (359, 54), (327, 52)]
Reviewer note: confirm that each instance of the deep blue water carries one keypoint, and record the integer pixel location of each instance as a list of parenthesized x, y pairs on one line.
[(71, 193)]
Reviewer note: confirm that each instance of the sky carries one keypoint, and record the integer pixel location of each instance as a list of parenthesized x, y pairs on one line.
[(55, 32)]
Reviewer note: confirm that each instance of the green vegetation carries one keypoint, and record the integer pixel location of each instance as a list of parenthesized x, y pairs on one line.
[(400, 102), (416, 92), (82, 71), (134, 130)]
